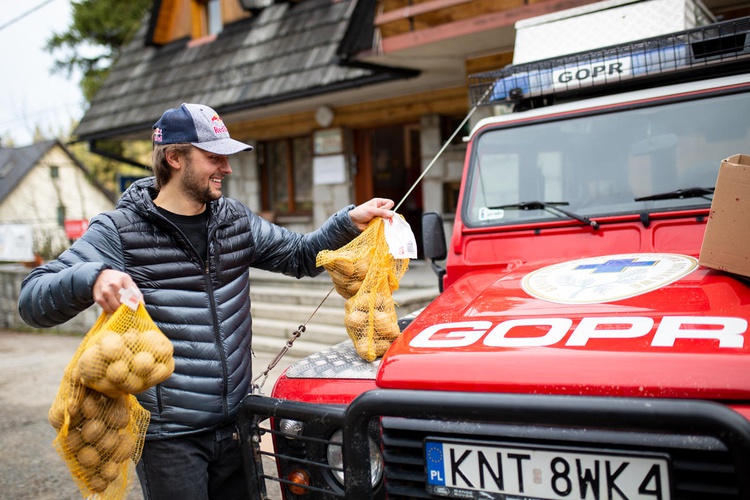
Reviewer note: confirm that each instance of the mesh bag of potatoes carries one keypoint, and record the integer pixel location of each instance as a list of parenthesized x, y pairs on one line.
[(366, 272), (100, 438), (100, 425), (126, 355)]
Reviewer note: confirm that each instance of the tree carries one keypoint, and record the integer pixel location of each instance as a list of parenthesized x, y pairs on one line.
[(93, 41), (98, 32)]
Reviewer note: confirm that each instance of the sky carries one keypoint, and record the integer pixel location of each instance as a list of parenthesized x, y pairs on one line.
[(30, 94)]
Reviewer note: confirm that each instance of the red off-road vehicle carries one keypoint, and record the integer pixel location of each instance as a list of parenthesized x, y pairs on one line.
[(577, 349)]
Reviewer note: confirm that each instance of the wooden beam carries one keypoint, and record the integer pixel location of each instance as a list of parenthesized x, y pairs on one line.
[(416, 10), (501, 19), (165, 21), (488, 63), (403, 109)]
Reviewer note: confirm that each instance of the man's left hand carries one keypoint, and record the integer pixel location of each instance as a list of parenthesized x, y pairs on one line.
[(362, 214)]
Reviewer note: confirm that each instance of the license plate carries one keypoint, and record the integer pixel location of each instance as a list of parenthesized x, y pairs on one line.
[(467, 469)]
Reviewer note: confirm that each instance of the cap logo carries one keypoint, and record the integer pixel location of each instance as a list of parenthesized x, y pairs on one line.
[(157, 135), (218, 125)]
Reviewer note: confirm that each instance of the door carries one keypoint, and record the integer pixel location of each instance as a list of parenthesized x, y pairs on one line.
[(388, 165)]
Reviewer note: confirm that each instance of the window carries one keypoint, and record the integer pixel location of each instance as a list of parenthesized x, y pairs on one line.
[(54, 172), (207, 20), (603, 164), (286, 175), (61, 215), (213, 13)]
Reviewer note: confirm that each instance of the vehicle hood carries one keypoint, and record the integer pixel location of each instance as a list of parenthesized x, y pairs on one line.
[(654, 325)]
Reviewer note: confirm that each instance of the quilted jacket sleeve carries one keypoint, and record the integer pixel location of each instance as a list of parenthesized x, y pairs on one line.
[(57, 291), (280, 250)]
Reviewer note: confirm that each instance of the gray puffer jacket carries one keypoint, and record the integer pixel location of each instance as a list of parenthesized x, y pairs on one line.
[(204, 308)]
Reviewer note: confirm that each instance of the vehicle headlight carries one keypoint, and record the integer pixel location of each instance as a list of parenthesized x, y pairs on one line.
[(335, 456)]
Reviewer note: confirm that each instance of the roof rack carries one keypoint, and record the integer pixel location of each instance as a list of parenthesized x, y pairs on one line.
[(694, 49)]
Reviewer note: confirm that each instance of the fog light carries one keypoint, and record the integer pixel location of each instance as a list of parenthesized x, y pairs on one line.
[(300, 480), (291, 428), (335, 456)]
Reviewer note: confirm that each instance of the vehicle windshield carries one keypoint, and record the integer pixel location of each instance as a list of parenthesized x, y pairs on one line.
[(667, 156)]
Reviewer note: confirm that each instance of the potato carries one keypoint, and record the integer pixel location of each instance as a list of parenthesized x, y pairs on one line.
[(88, 457), (56, 417), (108, 442), (160, 373), (109, 470), (111, 345), (117, 372), (130, 337), (73, 442), (91, 364), (92, 405), (356, 321), (385, 324), (361, 266), (381, 346), (74, 405), (142, 363), (125, 448), (353, 287), (93, 430), (75, 375), (106, 387), (118, 415), (343, 266), (365, 350), (342, 290), (157, 344), (97, 483), (133, 384)]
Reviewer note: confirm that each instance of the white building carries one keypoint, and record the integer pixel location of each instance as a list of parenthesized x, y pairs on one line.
[(46, 195)]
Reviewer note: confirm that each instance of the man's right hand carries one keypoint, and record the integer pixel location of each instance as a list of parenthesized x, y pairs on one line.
[(107, 289)]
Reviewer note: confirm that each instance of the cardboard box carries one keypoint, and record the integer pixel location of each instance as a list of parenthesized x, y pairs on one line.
[(726, 244)]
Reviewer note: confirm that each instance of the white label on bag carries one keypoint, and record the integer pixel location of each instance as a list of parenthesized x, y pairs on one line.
[(130, 297), (400, 238)]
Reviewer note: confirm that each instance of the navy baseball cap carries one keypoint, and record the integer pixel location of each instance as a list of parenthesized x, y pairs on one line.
[(198, 125)]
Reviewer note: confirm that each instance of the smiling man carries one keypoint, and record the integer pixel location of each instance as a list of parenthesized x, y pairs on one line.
[(187, 249)]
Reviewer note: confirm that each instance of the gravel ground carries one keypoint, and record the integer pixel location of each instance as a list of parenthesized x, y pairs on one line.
[(31, 367)]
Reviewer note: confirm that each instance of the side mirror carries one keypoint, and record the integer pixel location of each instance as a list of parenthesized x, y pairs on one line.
[(433, 243), (433, 236)]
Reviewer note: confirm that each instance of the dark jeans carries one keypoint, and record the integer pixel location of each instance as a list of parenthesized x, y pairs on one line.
[(200, 466)]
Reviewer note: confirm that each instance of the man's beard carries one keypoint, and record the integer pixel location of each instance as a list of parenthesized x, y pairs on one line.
[(194, 188)]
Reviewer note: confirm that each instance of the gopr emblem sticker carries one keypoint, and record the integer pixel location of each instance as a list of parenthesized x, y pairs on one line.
[(606, 278)]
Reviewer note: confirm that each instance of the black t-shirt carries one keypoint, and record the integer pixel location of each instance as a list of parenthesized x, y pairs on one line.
[(193, 227)]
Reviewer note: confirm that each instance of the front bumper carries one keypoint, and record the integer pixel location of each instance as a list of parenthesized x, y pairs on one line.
[(709, 442)]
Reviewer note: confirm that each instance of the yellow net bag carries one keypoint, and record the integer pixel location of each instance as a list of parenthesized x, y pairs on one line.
[(366, 274), (100, 425)]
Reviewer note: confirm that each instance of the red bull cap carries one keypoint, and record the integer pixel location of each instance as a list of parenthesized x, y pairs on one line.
[(198, 125)]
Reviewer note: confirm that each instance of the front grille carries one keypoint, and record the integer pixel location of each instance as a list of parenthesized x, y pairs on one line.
[(706, 443), (701, 465)]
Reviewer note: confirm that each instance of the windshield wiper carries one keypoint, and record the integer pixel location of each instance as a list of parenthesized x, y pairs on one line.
[(695, 192), (550, 206)]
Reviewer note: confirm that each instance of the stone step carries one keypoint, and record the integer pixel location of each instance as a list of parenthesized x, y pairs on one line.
[(301, 347), (282, 293), (284, 329), (331, 315)]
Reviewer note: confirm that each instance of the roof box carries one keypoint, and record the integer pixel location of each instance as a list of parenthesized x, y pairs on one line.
[(602, 24)]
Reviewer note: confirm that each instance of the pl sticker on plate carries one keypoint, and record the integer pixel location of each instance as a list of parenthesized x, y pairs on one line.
[(606, 278)]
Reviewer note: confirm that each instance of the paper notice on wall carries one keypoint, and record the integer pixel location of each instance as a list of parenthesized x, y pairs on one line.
[(16, 243), (329, 170)]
